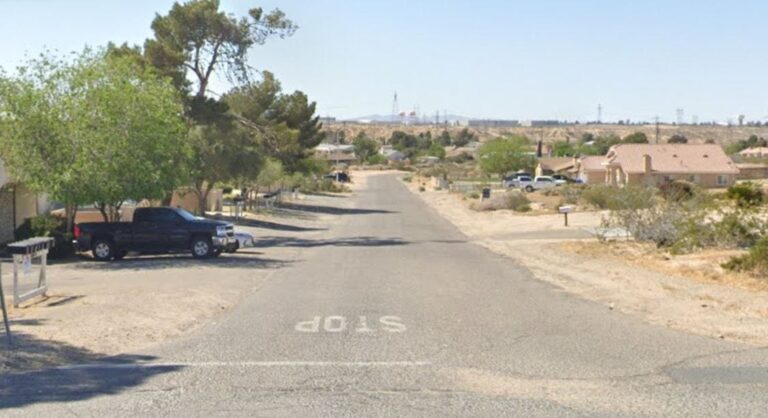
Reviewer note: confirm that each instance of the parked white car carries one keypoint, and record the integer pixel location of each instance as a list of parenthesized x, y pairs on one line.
[(538, 183)]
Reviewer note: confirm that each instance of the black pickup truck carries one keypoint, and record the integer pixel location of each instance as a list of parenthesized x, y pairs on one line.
[(156, 231)]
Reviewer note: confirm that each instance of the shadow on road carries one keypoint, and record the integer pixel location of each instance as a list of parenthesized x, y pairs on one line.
[(242, 259), (339, 242), (330, 209), (268, 225), (35, 371)]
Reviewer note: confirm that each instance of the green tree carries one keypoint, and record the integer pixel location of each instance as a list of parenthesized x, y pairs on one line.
[(285, 125), (365, 147), (635, 138), (463, 138), (563, 149), (436, 150), (198, 37), (199, 41), (445, 138), (97, 129), (502, 155)]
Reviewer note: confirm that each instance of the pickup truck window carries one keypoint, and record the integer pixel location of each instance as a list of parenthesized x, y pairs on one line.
[(156, 216)]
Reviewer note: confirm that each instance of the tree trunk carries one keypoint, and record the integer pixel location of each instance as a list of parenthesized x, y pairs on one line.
[(70, 212), (103, 209), (202, 191)]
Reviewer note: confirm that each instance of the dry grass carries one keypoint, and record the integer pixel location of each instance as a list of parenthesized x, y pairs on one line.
[(702, 266)]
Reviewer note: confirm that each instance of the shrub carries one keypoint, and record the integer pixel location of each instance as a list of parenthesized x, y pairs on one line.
[(598, 196), (408, 178), (513, 200), (619, 198), (678, 190), (571, 193), (746, 195), (48, 226), (755, 261), (474, 195)]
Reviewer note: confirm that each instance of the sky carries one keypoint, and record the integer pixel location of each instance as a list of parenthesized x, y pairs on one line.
[(542, 59)]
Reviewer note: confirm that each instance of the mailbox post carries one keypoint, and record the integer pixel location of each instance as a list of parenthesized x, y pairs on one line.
[(565, 210), (23, 253)]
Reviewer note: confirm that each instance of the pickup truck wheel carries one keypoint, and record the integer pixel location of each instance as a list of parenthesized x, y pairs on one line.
[(529, 189), (202, 247), (103, 250)]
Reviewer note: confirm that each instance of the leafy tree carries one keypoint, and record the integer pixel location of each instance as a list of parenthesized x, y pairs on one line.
[(563, 149), (445, 138), (677, 139), (285, 125), (463, 138), (502, 155), (635, 138), (198, 37), (365, 147), (270, 174), (97, 129), (436, 150)]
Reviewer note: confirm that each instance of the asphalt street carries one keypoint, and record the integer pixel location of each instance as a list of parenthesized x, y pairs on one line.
[(392, 312)]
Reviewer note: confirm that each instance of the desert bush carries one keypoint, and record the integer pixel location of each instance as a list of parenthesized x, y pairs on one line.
[(678, 190), (746, 195), (408, 178), (310, 185), (48, 226), (755, 261), (598, 195), (513, 200), (473, 195), (571, 193)]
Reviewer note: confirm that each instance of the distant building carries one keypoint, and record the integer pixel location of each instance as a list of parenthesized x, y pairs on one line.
[(760, 152), (536, 123), (493, 123)]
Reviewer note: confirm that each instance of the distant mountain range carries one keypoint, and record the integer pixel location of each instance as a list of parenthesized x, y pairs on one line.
[(390, 118)]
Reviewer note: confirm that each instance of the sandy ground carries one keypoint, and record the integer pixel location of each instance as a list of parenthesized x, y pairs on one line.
[(95, 309), (624, 277)]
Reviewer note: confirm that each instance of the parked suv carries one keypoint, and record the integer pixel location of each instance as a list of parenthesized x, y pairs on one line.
[(157, 230)]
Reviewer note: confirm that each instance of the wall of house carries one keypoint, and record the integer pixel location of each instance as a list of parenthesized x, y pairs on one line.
[(189, 201), (753, 173), (706, 180), (26, 205), (592, 176)]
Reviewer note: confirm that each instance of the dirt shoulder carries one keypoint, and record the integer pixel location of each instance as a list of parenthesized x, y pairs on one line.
[(96, 310), (621, 276)]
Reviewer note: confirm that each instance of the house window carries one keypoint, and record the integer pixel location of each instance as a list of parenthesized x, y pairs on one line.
[(722, 180), (693, 178)]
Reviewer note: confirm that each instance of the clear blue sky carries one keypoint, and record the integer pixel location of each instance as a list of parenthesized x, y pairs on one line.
[(485, 58)]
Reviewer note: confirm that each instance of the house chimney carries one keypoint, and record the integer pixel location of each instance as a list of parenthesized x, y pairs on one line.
[(647, 164)]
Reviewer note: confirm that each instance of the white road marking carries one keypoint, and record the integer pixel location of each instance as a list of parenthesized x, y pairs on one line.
[(339, 324), (213, 364)]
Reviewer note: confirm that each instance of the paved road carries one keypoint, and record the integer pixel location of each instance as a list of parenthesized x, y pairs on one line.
[(392, 313)]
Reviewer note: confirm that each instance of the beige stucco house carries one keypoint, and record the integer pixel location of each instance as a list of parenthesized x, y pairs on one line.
[(704, 164)]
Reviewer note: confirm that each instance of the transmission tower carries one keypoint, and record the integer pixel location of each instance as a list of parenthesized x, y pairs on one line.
[(599, 113), (657, 129), (680, 116), (395, 109)]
